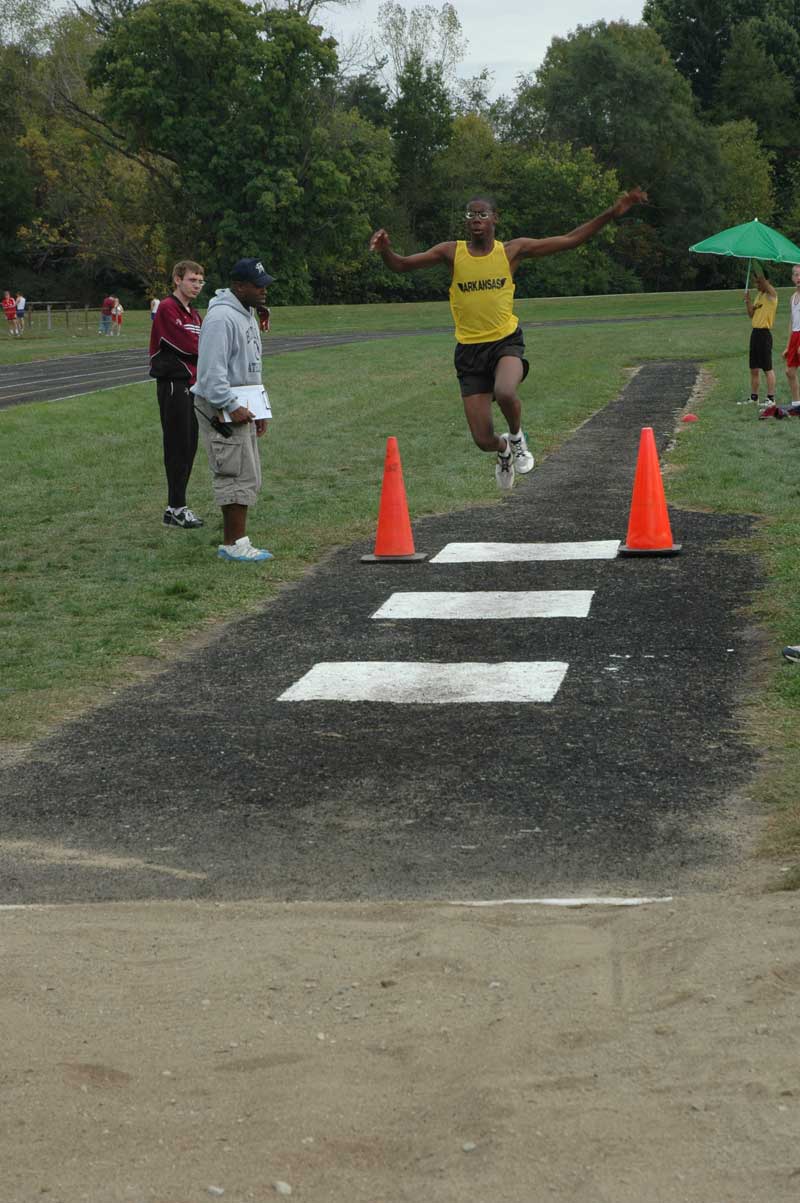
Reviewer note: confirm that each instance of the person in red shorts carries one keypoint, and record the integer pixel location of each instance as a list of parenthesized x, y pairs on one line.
[(792, 356), (792, 352), (10, 310), (116, 315)]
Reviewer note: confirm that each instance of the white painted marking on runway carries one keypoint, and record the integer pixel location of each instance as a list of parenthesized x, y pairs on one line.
[(482, 553), (38, 851), (402, 681), (545, 603), (565, 902)]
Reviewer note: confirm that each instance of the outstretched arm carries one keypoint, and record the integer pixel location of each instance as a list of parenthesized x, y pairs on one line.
[(531, 248), (443, 252)]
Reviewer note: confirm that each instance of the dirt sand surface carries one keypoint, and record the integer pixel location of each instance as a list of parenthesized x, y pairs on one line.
[(384, 1052)]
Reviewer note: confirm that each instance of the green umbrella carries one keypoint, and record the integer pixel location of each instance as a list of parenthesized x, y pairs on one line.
[(753, 240)]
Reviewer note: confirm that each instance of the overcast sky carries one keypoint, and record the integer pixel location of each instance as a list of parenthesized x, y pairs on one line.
[(507, 36)]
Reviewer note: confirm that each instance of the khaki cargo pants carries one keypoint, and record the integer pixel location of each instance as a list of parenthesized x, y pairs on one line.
[(235, 462)]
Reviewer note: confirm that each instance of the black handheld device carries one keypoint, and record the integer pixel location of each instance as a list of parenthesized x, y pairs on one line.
[(223, 428)]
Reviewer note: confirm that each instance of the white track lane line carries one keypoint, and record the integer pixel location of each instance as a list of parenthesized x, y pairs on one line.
[(428, 683), (57, 381), (44, 393), (589, 900), (46, 367), (485, 553), (543, 603), (67, 396)]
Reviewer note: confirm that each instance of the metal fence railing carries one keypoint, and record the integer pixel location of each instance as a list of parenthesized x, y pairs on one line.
[(63, 319), (43, 318)]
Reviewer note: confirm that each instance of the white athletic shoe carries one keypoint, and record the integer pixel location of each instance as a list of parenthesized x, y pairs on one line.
[(242, 551), (523, 460), (504, 471)]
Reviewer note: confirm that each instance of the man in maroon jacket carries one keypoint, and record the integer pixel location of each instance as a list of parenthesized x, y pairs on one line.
[(174, 338)]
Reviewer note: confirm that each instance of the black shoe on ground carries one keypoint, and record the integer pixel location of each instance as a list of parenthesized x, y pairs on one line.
[(183, 518), (792, 652)]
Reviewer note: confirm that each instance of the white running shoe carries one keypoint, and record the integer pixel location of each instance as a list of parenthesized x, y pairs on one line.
[(242, 550), (523, 460), (504, 472)]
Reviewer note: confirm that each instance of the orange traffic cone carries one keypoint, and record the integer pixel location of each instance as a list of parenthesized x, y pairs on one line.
[(649, 532), (394, 540)]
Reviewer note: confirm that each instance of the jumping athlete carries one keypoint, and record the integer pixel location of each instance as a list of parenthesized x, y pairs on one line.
[(490, 352)]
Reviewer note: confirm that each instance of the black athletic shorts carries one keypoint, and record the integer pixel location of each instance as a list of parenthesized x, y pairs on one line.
[(476, 363), (761, 349)]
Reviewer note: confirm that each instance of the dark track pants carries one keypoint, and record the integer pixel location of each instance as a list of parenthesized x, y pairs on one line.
[(179, 426)]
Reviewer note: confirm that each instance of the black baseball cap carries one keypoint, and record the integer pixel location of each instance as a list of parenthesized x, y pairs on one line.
[(252, 272)]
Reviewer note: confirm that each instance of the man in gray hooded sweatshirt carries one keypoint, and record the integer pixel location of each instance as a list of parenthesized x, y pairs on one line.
[(229, 357)]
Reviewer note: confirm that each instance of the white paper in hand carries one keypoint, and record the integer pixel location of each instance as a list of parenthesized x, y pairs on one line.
[(253, 397)]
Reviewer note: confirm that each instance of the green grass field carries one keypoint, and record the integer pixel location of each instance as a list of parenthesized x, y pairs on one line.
[(96, 591), (39, 343)]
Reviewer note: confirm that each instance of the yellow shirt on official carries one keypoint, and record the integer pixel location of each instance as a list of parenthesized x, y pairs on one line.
[(764, 309), (482, 295)]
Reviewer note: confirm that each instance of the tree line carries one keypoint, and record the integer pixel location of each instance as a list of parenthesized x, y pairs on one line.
[(137, 132)]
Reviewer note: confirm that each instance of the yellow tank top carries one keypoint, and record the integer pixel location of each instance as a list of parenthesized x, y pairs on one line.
[(482, 295), (764, 307)]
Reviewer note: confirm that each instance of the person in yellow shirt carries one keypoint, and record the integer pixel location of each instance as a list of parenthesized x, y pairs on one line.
[(490, 351), (761, 311)]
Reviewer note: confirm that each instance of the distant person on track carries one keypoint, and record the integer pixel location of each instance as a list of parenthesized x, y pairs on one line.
[(490, 352), (105, 315), (154, 304), (20, 303), (230, 357), (117, 314), (174, 340), (761, 312), (10, 310)]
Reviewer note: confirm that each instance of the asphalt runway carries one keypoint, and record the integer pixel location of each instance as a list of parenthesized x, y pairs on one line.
[(203, 783), (74, 375)]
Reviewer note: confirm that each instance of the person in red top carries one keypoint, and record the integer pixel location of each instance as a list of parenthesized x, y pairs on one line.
[(10, 310), (174, 336), (105, 315)]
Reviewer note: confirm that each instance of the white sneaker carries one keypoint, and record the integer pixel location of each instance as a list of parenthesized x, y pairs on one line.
[(242, 550), (523, 460), (504, 471)]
